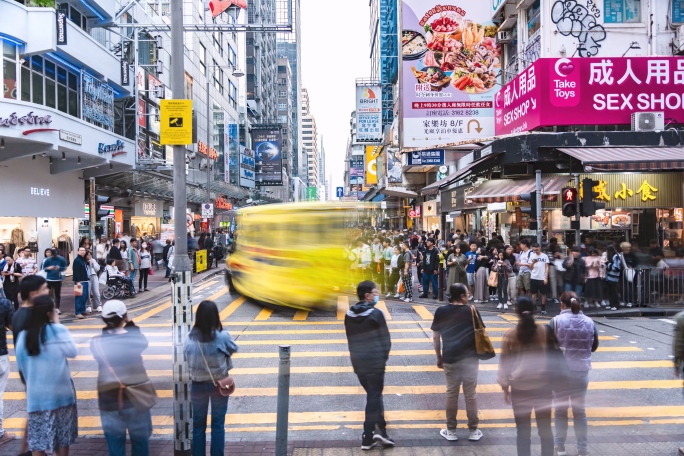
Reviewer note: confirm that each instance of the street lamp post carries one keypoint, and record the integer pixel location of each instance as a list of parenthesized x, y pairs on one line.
[(209, 145)]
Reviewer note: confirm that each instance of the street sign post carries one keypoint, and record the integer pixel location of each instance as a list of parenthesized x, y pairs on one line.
[(208, 211), (176, 122), (340, 192)]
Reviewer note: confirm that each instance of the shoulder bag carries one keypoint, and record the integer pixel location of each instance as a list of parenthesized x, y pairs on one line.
[(483, 345), (493, 279), (224, 386), (557, 365), (629, 272), (143, 396)]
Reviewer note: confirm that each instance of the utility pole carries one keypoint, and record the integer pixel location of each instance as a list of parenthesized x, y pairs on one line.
[(538, 215), (209, 146), (578, 231), (182, 277), (92, 212)]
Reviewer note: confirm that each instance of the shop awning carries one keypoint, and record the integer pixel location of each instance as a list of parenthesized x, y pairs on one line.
[(501, 190), (399, 192), (628, 158), (433, 188)]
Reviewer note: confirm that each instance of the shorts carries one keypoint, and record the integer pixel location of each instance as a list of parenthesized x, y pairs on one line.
[(539, 286), (523, 281), (471, 278)]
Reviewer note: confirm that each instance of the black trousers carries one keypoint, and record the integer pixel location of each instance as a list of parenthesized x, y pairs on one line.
[(142, 280), (56, 290), (375, 409)]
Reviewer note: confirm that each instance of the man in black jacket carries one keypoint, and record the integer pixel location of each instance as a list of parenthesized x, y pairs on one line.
[(430, 269), (369, 347), (80, 271)]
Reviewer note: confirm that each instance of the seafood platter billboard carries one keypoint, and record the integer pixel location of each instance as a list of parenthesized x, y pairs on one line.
[(450, 72)]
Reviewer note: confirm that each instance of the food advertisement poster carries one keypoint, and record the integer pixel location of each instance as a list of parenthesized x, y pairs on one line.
[(269, 160), (615, 219), (450, 72), (590, 91), (368, 114)]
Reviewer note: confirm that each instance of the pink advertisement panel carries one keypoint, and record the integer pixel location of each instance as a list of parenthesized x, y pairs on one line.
[(590, 91)]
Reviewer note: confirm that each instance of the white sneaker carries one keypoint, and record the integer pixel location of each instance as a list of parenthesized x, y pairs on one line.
[(508, 303), (598, 306), (629, 304), (397, 295), (59, 312), (604, 303), (613, 308), (505, 306), (388, 295), (476, 301), (406, 299), (99, 309), (500, 306), (470, 298), (586, 305), (88, 309), (475, 435), (449, 435)]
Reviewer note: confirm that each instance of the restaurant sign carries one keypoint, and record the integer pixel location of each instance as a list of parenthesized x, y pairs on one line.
[(589, 91)]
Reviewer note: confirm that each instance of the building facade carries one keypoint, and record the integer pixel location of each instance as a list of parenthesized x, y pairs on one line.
[(309, 141), (261, 62)]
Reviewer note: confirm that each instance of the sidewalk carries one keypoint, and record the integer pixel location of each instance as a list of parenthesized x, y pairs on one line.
[(159, 288)]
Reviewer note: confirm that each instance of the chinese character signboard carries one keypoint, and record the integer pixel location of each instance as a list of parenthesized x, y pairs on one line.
[(426, 157), (450, 71), (268, 150), (368, 113), (97, 102), (590, 91)]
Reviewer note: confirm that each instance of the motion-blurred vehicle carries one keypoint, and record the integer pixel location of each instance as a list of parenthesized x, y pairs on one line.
[(291, 254)]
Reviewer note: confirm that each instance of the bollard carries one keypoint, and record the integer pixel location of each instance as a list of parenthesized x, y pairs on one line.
[(283, 401), (440, 282)]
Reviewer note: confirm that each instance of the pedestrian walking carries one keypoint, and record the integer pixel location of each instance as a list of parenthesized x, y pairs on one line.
[(430, 270), (6, 314), (539, 277), (613, 272), (94, 282), (509, 256), (165, 254), (482, 261), (405, 263), (157, 252), (369, 347), (387, 253), (118, 352), (577, 338), (82, 277), (42, 350), (524, 265), (394, 273), (523, 376), (453, 337), (55, 267), (208, 349), (471, 258), (575, 271), (503, 268), (133, 261), (11, 275), (457, 263), (145, 258), (593, 284)]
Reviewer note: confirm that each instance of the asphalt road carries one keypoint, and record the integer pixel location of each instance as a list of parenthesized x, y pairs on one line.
[(632, 387)]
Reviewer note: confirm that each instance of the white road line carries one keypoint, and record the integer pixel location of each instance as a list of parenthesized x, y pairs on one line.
[(666, 320)]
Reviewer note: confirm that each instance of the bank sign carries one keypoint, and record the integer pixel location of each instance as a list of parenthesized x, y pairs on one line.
[(590, 91)]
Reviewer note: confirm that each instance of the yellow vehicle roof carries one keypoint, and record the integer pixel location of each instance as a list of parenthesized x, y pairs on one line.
[(305, 206)]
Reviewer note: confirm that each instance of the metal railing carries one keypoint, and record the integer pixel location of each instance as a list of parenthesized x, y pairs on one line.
[(653, 287)]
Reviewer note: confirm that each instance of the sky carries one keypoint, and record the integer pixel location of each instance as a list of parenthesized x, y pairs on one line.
[(335, 52)]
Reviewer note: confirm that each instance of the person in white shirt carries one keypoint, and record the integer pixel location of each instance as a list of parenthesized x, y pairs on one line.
[(27, 263), (94, 289), (524, 264), (539, 277)]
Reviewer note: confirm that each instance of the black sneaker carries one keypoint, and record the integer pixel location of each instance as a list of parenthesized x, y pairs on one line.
[(423, 296), (367, 442), (382, 437)]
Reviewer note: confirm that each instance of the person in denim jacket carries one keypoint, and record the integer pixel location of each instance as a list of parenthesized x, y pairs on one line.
[(216, 348)]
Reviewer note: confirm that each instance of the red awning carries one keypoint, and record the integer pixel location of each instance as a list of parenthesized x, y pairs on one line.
[(503, 190)]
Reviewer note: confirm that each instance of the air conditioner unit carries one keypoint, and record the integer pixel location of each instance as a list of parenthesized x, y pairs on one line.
[(648, 121), (503, 37)]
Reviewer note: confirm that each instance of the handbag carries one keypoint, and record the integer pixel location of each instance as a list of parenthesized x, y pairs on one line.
[(493, 279), (143, 396), (78, 289), (400, 287), (483, 345), (224, 386), (629, 272)]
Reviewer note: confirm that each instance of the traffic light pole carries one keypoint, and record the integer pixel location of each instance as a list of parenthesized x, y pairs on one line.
[(578, 232), (92, 211), (538, 215), (182, 277)]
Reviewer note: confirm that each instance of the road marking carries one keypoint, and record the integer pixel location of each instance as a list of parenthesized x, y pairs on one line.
[(381, 305), (423, 312), (509, 318), (300, 315), (281, 323), (232, 307), (265, 314), (153, 312), (342, 308), (667, 320)]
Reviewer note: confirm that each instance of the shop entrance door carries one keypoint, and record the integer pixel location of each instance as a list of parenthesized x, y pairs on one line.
[(44, 237)]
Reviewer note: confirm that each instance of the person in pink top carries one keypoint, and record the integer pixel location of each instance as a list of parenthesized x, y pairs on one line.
[(592, 288)]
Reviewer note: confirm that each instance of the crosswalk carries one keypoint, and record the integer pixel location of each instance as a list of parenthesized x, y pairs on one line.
[(630, 385)]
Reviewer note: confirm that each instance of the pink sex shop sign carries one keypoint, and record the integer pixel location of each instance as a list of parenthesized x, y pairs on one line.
[(590, 91)]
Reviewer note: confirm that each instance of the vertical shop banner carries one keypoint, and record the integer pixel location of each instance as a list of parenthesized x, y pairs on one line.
[(97, 102), (247, 167), (232, 143), (450, 71), (368, 113), (372, 153), (268, 150), (357, 170), (393, 165), (61, 18), (125, 79)]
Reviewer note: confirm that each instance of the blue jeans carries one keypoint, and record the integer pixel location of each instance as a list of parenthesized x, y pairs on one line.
[(427, 279), (80, 301), (132, 277), (139, 425), (572, 395), (200, 395), (577, 288), (168, 268)]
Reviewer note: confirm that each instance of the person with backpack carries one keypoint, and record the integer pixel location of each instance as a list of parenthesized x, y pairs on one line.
[(404, 263)]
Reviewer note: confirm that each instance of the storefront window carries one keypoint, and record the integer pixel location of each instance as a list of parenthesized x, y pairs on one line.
[(9, 70), (533, 19)]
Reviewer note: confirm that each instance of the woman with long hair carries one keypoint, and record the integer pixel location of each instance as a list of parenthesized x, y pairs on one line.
[(592, 287), (577, 337), (208, 349), (145, 265), (457, 263), (42, 350), (481, 276), (523, 376), (509, 255), (394, 273)]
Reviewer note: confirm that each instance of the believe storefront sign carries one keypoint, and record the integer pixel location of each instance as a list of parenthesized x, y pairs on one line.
[(590, 91)]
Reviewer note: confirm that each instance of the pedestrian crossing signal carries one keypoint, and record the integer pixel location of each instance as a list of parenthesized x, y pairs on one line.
[(569, 202)]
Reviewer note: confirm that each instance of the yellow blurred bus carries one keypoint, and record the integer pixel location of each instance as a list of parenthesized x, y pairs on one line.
[(292, 254)]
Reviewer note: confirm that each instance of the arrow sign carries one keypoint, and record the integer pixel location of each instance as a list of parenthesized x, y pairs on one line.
[(534, 103), (340, 192), (477, 122)]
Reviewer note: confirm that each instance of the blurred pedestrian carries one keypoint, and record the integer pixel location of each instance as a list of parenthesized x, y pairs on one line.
[(457, 263), (165, 257), (523, 376), (430, 270), (453, 337), (134, 261), (481, 276), (42, 351), (208, 349), (157, 251), (394, 273), (630, 261), (369, 347), (578, 338), (54, 266), (678, 350), (6, 314), (118, 352), (94, 288), (145, 258), (11, 274), (81, 276), (575, 271), (539, 277), (593, 284), (405, 263)]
